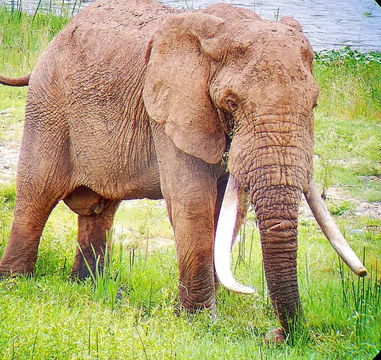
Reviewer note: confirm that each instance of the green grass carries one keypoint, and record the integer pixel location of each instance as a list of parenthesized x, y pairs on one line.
[(348, 122), (22, 38), (128, 311)]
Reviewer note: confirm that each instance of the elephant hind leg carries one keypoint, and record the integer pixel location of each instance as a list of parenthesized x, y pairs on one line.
[(92, 232), (33, 206)]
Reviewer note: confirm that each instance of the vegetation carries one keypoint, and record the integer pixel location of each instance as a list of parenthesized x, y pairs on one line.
[(347, 121), (128, 312)]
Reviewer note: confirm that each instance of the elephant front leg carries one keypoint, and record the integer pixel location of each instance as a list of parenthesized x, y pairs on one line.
[(189, 186), (193, 225)]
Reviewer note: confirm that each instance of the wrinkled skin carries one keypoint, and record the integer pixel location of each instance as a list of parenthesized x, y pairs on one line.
[(136, 100)]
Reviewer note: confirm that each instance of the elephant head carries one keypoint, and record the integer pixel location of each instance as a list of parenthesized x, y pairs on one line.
[(240, 84)]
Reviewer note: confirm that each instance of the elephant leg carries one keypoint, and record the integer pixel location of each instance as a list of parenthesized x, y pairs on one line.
[(189, 186), (192, 218), (92, 236), (34, 203), (43, 175)]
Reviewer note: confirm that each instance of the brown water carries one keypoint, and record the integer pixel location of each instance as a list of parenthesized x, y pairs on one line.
[(329, 24)]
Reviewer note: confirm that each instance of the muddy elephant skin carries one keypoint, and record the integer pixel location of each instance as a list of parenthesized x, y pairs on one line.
[(136, 100)]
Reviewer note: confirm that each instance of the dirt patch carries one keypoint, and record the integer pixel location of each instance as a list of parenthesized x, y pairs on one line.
[(9, 154), (360, 207), (9, 150), (133, 240)]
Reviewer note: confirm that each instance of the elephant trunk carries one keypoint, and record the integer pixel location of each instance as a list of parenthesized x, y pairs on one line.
[(276, 210)]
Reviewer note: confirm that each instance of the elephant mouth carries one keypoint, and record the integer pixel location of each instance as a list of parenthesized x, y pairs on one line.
[(225, 235)]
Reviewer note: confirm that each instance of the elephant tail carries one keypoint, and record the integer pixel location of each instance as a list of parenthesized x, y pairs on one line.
[(17, 81)]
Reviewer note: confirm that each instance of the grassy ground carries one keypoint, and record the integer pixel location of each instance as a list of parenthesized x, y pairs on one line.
[(129, 312), (347, 122)]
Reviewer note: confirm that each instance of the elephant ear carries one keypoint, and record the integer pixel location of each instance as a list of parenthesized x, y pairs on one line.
[(176, 88)]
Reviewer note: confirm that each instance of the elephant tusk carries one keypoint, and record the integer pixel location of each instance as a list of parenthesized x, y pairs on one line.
[(331, 231), (224, 238)]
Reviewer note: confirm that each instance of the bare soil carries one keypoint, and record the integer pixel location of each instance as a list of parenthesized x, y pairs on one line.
[(9, 153), (361, 207)]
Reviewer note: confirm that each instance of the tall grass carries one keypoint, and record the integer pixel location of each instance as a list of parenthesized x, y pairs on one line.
[(348, 120), (135, 319), (106, 277), (357, 94), (23, 36), (363, 297)]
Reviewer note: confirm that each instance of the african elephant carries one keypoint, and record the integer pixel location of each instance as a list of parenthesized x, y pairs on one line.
[(137, 100)]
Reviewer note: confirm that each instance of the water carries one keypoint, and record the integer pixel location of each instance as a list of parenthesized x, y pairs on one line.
[(330, 24)]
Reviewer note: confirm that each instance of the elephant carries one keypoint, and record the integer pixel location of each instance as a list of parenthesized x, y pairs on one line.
[(205, 108)]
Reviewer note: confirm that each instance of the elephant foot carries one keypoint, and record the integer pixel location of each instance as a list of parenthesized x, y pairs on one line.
[(212, 311), (194, 301), (5, 274), (84, 269), (17, 263), (275, 336), (192, 309), (7, 270)]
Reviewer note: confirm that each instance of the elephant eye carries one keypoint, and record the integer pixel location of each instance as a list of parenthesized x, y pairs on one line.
[(232, 105)]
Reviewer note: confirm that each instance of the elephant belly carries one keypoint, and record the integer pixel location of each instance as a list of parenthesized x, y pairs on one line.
[(114, 155), (114, 179), (85, 201)]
